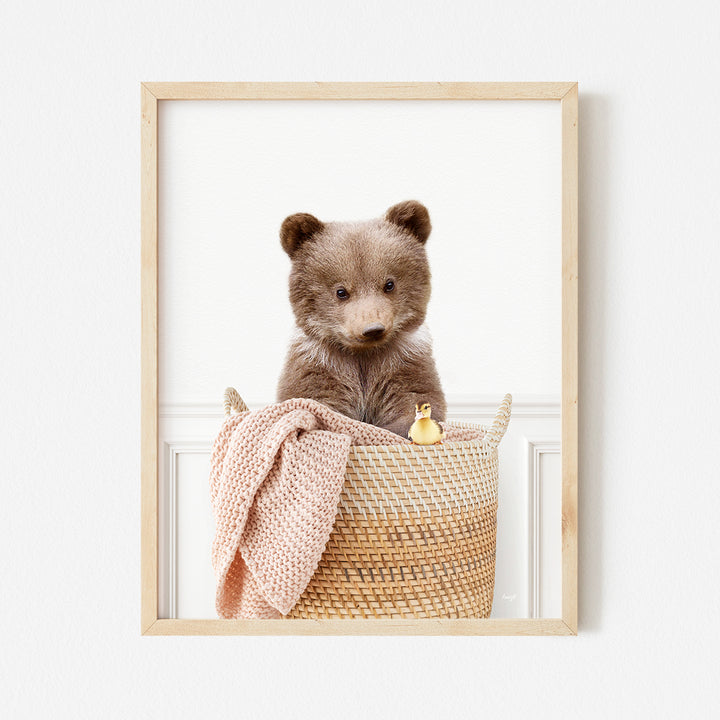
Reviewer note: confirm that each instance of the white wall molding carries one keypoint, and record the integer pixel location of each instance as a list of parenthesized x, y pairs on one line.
[(523, 406), (536, 448), (167, 526), (466, 407)]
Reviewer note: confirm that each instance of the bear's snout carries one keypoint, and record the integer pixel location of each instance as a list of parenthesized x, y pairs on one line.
[(374, 331), (367, 320), (368, 333)]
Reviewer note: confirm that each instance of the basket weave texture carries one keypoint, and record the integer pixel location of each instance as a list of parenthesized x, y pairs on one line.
[(415, 532)]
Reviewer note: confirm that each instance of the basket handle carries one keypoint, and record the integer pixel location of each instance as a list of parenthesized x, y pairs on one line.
[(495, 432), (233, 401)]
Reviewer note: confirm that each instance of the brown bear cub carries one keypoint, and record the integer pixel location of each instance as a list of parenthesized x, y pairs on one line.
[(359, 292)]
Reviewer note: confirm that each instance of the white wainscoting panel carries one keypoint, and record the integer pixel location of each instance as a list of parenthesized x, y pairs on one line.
[(528, 569), (545, 532)]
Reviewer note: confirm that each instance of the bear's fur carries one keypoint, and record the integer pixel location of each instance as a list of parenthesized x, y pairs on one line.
[(359, 292)]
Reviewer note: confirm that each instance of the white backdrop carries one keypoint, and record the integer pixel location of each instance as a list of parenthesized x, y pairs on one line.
[(69, 426), (230, 172)]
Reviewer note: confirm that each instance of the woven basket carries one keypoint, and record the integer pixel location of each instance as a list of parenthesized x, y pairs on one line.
[(414, 536)]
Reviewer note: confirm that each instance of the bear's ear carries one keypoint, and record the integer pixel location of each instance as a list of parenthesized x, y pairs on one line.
[(296, 229), (411, 216)]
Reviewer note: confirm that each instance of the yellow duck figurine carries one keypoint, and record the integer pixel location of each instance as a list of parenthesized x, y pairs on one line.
[(425, 430)]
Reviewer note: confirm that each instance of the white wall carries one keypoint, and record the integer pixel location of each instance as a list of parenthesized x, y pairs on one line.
[(69, 232)]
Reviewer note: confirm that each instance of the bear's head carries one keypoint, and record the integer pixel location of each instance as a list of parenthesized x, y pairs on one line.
[(359, 285)]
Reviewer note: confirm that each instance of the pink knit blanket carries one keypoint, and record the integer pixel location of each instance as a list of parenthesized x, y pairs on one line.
[(275, 482)]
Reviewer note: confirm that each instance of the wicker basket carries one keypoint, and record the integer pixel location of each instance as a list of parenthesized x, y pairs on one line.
[(414, 535)]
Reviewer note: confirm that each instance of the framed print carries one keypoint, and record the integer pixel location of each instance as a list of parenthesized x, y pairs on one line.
[(265, 209)]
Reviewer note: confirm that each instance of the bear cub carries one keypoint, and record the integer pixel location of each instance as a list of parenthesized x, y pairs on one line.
[(359, 292)]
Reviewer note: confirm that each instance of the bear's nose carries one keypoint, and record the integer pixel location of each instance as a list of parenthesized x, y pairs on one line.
[(374, 332)]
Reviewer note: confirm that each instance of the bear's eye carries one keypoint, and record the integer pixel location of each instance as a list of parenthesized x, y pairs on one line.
[(389, 286), (342, 293)]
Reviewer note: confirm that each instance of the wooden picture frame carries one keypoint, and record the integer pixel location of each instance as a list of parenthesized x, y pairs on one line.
[(152, 94)]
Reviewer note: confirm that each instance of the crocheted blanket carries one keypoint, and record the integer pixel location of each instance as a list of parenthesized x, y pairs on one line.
[(275, 482)]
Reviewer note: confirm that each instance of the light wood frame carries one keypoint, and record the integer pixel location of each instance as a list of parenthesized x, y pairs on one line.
[(151, 93)]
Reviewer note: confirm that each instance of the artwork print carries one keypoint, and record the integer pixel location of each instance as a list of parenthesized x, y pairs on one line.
[(373, 292)]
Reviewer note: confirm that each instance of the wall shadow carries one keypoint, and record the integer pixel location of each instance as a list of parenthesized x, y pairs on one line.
[(595, 163)]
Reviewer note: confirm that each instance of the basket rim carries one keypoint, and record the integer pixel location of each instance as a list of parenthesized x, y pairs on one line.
[(493, 433), (445, 444)]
